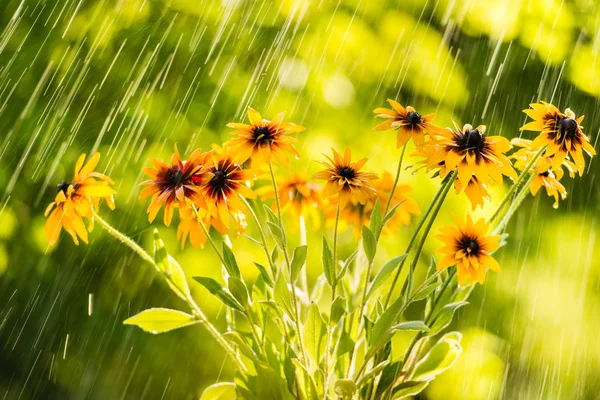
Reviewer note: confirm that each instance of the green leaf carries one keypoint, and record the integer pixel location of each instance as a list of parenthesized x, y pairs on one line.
[(282, 295), (384, 273), (238, 289), (338, 309), (315, 335), (161, 257), (270, 213), (380, 333), (274, 255), (219, 391), (444, 317), (411, 326), (328, 267), (345, 388), (177, 279), (390, 213), (388, 376), (426, 291), (376, 223), (277, 234), (345, 266), (272, 307), (369, 243), (159, 320), (241, 343), (406, 389), (372, 372), (264, 274), (219, 291), (346, 344), (298, 261), (441, 357), (230, 263)]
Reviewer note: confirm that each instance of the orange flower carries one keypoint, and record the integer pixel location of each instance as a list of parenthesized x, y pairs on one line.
[(344, 178), (179, 181), (562, 133), (408, 122), (190, 227), (77, 200), (467, 246), (263, 139)]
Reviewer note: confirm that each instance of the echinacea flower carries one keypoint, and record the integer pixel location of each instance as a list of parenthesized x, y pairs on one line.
[(357, 215), (174, 184), (224, 183), (298, 197), (474, 154), (562, 132), (262, 139), (467, 246), (344, 178), (189, 226), (408, 122), (547, 174), (76, 200)]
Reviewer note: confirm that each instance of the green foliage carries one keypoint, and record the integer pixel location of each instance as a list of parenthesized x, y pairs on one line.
[(160, 320)]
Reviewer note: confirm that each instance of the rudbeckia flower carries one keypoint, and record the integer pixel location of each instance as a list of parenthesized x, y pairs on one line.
[(174, 184), (76, 200), (344, 178), (562, 132), (298, 197), (262, 139), (408, 122), (189, 226), (467, 246), (224, 183)]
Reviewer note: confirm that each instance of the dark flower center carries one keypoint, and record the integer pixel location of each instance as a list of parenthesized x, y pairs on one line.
[(175, 177), (568, 128), (545, 174), (219, 180), (347, 172), (470, 246), (262, 134), (472, 140), (63, 186), (413, 118)]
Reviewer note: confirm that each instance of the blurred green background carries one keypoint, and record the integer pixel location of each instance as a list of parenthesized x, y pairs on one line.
[(130, 78)]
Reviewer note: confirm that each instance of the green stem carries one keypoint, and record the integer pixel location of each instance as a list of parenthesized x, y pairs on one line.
[(389, 201), (199, 314), (519, 197), (210, 240), (514, 187), (263, 237)]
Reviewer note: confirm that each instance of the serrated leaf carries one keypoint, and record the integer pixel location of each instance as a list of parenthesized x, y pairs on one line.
[(426, 291), (159, 320), (444, 317), (328, 267), (230, 263), (406, 389), (338, 309), (369, 243), (264, 274), (239, 291), (219, 391), (219, 292), (384, 273), (441, 357), (314, 334), (298, 261), (161, 257), (282, 295), (411, 326)]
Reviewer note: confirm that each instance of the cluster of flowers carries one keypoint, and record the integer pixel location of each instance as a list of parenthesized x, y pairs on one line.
[(210, 188)]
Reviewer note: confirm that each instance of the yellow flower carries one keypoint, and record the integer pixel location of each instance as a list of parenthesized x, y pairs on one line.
[(408, 122), (345, 179), (263, 139), (356, 214), (298, 197), (467, 246), (76, 200), (475, 191), (561, 132), (190, 227), (547, 174), (179, 181), (225, 181)]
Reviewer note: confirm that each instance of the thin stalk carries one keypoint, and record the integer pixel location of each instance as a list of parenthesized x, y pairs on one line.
[(514, 187), (333, 291), (288, 263), (519, 197), (263, 237), (389, 201), (210, 240), (412, 240), (198, 313), (303, 242)]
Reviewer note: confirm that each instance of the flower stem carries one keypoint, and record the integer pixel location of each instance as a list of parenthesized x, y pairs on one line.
[(199, 314), (333, 291), (286, 256), (389, 201), (519, 197), (263, 237)]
